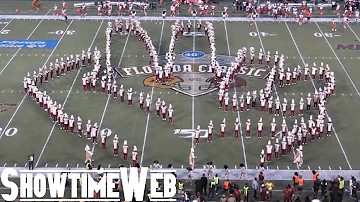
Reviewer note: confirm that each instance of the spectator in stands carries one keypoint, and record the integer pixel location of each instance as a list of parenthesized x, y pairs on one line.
[(231, 198), (315, 199), (298, 199), (255, 187), (223, 198)]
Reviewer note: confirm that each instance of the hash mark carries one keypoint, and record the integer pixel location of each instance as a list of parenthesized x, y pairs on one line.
[(35, 54), (20, 91), (351, 58), (342, 94), (293, 93), (128, 56), (344, 58), (43, 55), (288, 168), (301, 93), (56, 165), (323, 57), (7, 54), (21, 54), (57, 55), (308, 57), (77, 91), (329, 168), (53, 91), (319, 168), (277, 167), (136, 56), (168, 93), (309, 167), (3, 91), (315, 57), (15, 165), (5, 164), (160, 92), (284, 93), (294, 57), (29, 54), (11, 91), (350, 94), (60, 91), (340, 168)]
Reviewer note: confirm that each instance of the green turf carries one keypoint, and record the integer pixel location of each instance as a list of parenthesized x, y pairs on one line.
[(35, 134)]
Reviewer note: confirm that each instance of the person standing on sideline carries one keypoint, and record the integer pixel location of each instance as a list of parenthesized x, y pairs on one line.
[(255, 187), (31, 159), (212, 189), (246, 192), (204, 182)]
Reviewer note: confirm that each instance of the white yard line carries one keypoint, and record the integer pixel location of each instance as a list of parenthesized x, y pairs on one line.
[(353, 32), (193, 97), (237, 106), (21, 102), (109, 96), (357, 91), (151, 97), (67, 96), (265, 53), (15, 54), (302, 59)]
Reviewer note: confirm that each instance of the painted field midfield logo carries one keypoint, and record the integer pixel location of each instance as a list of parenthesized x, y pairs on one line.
[(190, 133)]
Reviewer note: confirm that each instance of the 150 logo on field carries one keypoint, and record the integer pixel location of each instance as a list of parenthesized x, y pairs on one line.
[(190, 133)]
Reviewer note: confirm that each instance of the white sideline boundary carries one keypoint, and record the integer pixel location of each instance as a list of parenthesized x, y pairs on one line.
[(271, 174), (159, 18)]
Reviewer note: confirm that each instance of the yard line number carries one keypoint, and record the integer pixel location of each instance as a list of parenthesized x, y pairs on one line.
[(10, 131), (61, 32), (329, 35), (4, 32), (255, 34)]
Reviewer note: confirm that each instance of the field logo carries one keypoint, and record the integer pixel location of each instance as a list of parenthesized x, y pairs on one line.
[(33, 184), (192, 75), (190, 133), (348, 47)]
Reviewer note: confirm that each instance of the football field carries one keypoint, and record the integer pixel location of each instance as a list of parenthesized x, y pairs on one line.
[(26, 128)]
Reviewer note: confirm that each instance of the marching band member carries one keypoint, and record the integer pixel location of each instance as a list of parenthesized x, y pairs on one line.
[(269, 150), (134, 156), (260, 128), (103, 142), (197, 135), (125, 150), (223, 128), (116, 145), (210, 131)]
